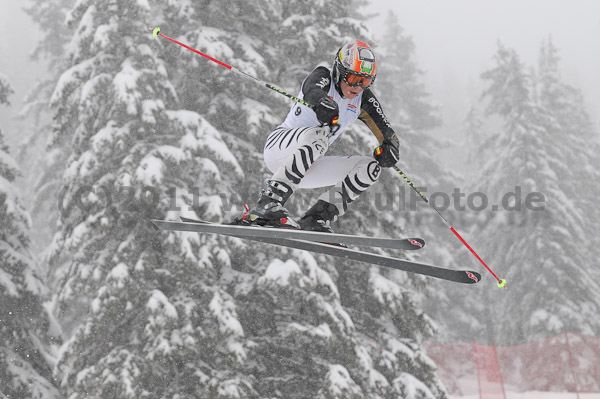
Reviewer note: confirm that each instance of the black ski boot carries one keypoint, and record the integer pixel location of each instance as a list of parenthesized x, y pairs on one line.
[(269, 210), (319, 217)]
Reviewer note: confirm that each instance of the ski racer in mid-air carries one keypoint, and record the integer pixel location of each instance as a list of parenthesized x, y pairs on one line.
[(295, 154), (295, 151)]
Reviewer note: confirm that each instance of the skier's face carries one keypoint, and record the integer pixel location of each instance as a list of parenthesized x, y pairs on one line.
[(350, 92)]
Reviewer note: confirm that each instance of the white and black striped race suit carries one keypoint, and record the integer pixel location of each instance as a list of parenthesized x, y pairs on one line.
[(295, 151)]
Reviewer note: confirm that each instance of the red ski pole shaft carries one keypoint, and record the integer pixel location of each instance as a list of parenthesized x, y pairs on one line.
[(156, 32), (501, 282)]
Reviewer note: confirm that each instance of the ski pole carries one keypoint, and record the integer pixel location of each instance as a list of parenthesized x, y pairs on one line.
[(501, 282), (156, 32)]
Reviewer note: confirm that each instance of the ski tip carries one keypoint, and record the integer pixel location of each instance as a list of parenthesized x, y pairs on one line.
[(154, 225), (155, 31), (472, 277), (189, 220), (417, 243)]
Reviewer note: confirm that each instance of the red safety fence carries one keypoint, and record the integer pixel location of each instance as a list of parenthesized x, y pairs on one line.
[(565, 363)]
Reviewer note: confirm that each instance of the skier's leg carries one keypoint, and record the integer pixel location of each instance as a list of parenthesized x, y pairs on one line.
[(291, 156), (353, 175), (289, 153)]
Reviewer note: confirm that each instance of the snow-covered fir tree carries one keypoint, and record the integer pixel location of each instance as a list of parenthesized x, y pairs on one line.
[(289, 299), (538, 236), (25, 336), (571, 122), (143, 312), (473, 131), (41, 165), (145, 127)]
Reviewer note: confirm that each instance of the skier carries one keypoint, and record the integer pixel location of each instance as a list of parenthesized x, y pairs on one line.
[(295, 151)]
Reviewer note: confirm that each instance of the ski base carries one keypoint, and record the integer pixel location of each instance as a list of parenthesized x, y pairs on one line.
[(280, 233), (458, 276)]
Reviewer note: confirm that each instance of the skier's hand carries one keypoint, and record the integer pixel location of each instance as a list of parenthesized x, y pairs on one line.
[(327, 111), (388, 153)]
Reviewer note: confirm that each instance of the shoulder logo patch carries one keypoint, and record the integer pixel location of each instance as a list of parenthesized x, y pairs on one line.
[(324, 82)]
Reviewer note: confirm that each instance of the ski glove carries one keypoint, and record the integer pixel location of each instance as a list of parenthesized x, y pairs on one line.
[(388, 153), (327, 111)]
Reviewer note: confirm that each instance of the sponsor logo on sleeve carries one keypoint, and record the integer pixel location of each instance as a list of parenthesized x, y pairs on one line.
[(324, 82), (377, 107)]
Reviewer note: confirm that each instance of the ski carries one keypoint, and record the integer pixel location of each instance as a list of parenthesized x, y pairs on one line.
[(271, 232), (457, 276)]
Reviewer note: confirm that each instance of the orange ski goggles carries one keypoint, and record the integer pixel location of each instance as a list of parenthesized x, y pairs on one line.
[(353, 80)]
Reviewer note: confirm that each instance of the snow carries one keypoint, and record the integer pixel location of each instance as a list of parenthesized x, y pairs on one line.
[(201, 135), (257, 114), (340, 383), (183, 316), (96, 305), (119, 274), (4, 83), (26, 377), (412, 388), (6, 161), (125, 84), (149, 108), (159, 302), (386, 291), (143, 4), (316, 275), (212, 206), (280, 272), (536, 395), (321, 331), (366, 363), (543, 317), (230, 389), (70, 78), (295, 20), (253, 60), (54, 327), (101, 36), (150, 171), (208, 136), (81, 167), (7, 188), (223, 309), (10, 254), (209, 41), (85, 28), (395, 346), (6, 281), (32, 283)]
